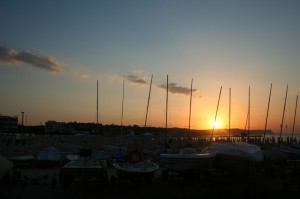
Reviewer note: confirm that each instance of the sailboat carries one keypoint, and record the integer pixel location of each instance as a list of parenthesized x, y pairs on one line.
[(135, 166), (185, 159), (237, 157), (86, 165), (284, 155)]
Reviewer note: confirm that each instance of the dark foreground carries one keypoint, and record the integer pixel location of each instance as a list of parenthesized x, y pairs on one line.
[(39, 185)]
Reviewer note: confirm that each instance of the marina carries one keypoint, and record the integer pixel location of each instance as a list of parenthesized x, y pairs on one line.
[(270, 179)]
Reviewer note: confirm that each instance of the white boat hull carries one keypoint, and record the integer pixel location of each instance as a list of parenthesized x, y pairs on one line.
[(143, 169)]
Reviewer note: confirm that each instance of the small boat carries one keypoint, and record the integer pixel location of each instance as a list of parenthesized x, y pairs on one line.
[(84, 167), (23, 160), (237, 157), (184, 160), (135, 167), (187, 159), (49, 156), (284, 156)]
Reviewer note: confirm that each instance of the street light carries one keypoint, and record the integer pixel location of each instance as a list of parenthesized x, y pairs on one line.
[(22, 121)]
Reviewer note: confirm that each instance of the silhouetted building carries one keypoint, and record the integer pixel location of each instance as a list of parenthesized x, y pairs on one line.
[(54, 127), (8, 123)]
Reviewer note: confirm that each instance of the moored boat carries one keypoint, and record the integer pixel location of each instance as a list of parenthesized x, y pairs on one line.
[(236, 157), (135, 167), (22, 160), (48, 157), (187, 159), (83, 168)]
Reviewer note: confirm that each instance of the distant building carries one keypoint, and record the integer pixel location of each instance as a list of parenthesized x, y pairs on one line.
[(8, 123), (54, 127)]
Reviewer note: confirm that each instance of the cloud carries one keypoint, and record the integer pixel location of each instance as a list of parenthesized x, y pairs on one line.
[(136, 71), (136, 79), (173, 88), (86, 76), (11, 56)]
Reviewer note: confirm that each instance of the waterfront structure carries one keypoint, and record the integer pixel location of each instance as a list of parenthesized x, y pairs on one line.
[(8, 124)]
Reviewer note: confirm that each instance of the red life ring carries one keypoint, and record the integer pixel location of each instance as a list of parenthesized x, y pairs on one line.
[(135, 156)]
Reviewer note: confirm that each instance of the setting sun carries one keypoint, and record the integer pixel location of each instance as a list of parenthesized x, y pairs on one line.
[(216, 124)]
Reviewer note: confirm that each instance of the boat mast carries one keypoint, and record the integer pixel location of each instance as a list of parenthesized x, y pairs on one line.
[(229, 115), (294, 117), (97, 131), (249, 114), (122, 114), (166, 130), (191, 96), (148, 101), (212, 132), (287, 87), (267, 114)]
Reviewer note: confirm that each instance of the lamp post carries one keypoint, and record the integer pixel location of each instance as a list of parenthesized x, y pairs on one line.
[(22, 121)]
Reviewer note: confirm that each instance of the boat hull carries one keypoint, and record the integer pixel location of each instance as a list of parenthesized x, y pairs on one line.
[(186, 162), (142, 169), (83, 171)]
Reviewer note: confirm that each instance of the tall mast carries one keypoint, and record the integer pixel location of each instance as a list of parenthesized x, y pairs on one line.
[(294, 117), (97, 111), (249, 114), (287, 87), (229, 115), (148, 101), (122, 114), (191, 96), (166, 130), (267, 113), (212, 132)]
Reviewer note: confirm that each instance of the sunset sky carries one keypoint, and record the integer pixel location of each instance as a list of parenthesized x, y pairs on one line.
[(52, 52)]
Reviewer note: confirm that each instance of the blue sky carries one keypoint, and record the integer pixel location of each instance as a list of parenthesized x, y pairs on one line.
[(52, 53)]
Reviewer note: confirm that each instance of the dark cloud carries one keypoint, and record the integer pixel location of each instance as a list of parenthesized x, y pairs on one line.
[(11, 56), (135, 79), (173, 88)]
